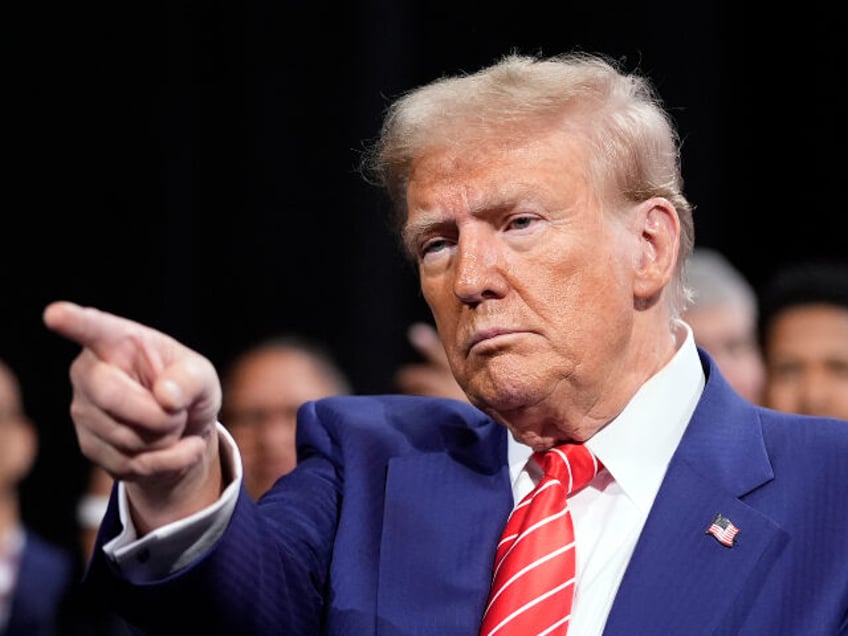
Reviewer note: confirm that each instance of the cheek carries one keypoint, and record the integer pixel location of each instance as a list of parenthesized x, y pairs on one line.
[(590, 311), (781, 399), (439, 296), (584, 289)]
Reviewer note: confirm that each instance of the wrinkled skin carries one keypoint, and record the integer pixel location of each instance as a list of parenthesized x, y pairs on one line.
[(550, 308), (145, 408)]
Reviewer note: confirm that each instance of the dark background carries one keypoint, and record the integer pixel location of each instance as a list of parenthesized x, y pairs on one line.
[(194, 167)]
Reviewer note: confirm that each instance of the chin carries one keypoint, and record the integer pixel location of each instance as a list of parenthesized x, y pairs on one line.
[(507, 400), (535, 440)]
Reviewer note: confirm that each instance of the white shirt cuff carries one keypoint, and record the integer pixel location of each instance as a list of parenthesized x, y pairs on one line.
[(175, 545)]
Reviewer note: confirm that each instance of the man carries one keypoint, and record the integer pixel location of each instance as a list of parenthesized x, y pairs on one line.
[(723, 318), (263, 387), (36, 576), (804, 337), (541, 200), (84, 612), (722, 314)]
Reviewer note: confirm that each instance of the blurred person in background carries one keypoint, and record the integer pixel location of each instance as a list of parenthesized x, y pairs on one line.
[(85, 613), (35, 575), (91, 508), (431, 375), (263, 386), (803, 332), (723, 317)]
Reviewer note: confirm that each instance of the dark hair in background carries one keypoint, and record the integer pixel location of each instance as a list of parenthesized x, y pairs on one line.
[(317, 352), (804, 283)]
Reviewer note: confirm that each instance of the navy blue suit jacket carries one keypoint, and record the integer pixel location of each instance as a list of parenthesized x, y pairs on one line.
[(389, 524)]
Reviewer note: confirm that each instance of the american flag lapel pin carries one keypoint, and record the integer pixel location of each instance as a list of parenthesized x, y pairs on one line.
[(723, 530)]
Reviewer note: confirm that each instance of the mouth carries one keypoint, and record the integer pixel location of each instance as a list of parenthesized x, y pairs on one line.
[(486, 337)]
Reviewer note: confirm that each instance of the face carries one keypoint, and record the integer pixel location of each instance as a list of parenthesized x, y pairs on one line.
[(261, 405), (532, 286), (807, 361), (728, 333)]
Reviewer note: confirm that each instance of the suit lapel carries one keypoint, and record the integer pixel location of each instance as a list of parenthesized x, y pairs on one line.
[(443, 516), (681, 579)]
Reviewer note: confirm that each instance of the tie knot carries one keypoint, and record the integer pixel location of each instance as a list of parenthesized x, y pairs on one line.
[(574, 465)]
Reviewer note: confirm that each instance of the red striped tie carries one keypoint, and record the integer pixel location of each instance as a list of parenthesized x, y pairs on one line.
[(533, 582)]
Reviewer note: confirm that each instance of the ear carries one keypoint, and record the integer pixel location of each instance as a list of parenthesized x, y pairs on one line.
[(658, 248)]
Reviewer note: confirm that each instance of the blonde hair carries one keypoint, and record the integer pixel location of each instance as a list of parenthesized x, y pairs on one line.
[(632, 145)]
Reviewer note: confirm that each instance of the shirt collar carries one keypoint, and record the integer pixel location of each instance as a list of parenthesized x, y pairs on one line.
[(637, 445)]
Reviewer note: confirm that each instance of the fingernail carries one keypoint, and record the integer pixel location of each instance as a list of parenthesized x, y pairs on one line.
[(172, 392)]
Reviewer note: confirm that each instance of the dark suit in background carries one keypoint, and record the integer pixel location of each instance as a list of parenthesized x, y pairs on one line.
[(45, 577)]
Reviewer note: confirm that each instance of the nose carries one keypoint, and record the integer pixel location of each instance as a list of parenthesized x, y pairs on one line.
[(479, 273)]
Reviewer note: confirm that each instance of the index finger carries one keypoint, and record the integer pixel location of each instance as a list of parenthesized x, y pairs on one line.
[(178, 376), (89, 327)]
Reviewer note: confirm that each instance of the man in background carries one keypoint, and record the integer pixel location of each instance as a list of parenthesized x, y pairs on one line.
[(723, 317), (263, 387), (35, 575), (804, 337)]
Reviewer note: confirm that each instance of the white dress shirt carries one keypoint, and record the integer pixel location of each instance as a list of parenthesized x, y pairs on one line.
[(608, 515), (635, 448)]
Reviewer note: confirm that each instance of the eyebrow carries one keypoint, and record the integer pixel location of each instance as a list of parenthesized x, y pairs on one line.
[(496, 202), (423, 226)]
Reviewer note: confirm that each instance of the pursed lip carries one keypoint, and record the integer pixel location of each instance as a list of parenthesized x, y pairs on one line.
[(484, 335)]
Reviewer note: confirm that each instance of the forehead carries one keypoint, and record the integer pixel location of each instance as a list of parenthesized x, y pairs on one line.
[(272, 365), (814, 322), (478, 171), (277, 375)]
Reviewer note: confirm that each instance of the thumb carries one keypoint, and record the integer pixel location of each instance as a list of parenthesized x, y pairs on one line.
[(190, 383)]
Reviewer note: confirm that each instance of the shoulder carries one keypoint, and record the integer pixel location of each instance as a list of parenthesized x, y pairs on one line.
[(722, 412), (395, 421), (394, 410), (808, 456), (805, 435), (391, 405)]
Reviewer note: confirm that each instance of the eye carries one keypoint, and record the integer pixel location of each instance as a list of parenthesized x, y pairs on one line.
[(521, 222), (433, 246), (785, 371), (838, 368)]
